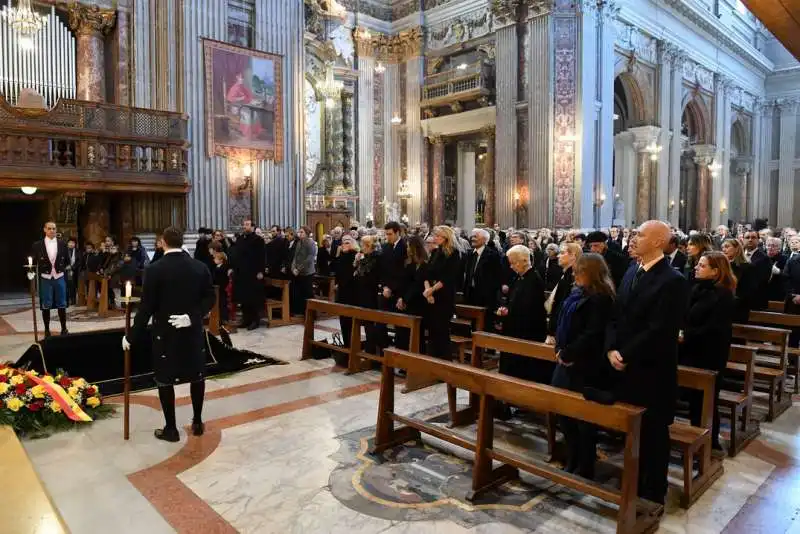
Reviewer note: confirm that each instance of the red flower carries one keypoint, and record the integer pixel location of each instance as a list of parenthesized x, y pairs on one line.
[(30, 383), (35, 406), (65, 382), (3, 379), (20, 389), (91, 390)]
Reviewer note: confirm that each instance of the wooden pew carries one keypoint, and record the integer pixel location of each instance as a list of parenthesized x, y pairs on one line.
[(694, 441), (775, 306), (740, 403), (270, 305), (470, 319), (782, 320), (80, 299), (771, 375), (92, 301), (28, 505), (633, 516), (359, 360), (327, 287)]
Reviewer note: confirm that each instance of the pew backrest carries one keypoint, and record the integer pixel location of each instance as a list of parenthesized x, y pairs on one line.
[(475, 314), (775, 319), (746, 358), (486, 341), (777, 337), (701, 380)]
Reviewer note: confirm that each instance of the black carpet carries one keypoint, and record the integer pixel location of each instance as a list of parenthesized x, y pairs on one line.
[(98, 357)]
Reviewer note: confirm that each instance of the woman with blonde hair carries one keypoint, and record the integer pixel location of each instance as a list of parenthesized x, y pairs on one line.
[(568, 255), (747, 286), (442, 282)]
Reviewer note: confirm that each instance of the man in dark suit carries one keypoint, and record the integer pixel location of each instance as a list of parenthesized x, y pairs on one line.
[(549, 269), (482, 272), (73, 270), (248, 278), (791, 274), (392, 263), (776, 289), (643, 350), (761, 269), (51, 258), (277, 251), (675, 258), (524, 317), (177, 294), (616, 261)]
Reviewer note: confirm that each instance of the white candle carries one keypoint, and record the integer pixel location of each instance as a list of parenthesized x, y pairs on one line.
[(128, 289), (30, 261)]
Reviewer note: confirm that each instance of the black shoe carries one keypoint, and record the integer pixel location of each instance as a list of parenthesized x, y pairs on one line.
[(167, 434), (198, 429), (252, 326), (47, 333), (64, 332)]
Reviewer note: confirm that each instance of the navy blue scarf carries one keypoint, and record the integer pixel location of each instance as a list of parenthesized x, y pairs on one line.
[(565, 316)]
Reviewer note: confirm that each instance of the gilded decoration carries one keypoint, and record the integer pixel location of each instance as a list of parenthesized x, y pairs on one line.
[(389, 48), (90, 20), (464, 27), (244, 102)]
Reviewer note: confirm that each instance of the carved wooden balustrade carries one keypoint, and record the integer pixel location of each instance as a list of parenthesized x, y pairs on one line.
[(93, 146), (458, 88)]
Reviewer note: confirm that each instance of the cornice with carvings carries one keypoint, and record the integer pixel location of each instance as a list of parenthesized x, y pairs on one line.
[(389, 48)]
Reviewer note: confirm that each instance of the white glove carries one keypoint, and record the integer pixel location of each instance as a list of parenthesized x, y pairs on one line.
[(31, 275), (125, 344), (775, 270), (180, 321)]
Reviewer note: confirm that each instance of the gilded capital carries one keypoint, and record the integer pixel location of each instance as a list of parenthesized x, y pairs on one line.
[(89, 20), (436, 140), (397, 48), (504, 12)]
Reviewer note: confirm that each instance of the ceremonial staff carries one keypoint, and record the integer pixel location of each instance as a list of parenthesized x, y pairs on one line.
[(32, 279), (128, 300)]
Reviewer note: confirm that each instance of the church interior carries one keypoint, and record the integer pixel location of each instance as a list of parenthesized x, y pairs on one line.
[(124, 117)]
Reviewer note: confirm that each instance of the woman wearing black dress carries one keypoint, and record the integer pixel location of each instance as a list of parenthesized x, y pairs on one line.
[(440, 286), (746, 282), (412, 301), (367, 277), (696, 246), (708, 328), (580, 349), (568, 255), (344, 269)]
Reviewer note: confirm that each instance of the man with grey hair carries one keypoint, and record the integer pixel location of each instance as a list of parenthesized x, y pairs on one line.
[(482, 271), (524, 317), (549, 269), (643, 343)]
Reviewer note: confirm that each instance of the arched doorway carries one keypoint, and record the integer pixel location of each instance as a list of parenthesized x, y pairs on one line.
[(695, 181), (629, 111)]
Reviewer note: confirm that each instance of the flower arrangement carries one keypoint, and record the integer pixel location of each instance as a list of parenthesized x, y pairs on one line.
[(36, 405)]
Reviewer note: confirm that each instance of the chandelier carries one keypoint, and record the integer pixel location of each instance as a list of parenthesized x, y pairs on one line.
[(379, 68), (330, 89), (25, 22), (404, 191)]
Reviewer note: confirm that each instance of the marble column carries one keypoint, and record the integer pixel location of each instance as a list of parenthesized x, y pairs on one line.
[(506, 65), (762, 152), (723, 198), (122, 92), (540, 117), (90, 24), (489, 213), (366, 141), (391, 132), (437, 177), (704, 156), (786, 185), (644, 137), (661, 196), (716, 184), (466, 185), (677, 57), (606, 39), (625, 178), (415, 142)]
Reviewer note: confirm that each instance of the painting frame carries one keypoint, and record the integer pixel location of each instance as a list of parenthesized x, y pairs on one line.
[(217, 145)]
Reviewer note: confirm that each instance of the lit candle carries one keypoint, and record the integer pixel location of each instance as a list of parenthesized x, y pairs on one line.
[(128, 290), (30, 261)]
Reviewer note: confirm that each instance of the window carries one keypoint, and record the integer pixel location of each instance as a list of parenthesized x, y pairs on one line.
[(241, 23)]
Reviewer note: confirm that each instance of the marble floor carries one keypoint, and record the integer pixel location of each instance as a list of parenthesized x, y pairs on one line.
[(280, 455)]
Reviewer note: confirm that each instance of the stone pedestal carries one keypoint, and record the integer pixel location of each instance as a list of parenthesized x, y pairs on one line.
[(90, 24)]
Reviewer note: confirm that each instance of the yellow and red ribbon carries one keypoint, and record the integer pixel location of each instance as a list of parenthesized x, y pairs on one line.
[(68, 405)]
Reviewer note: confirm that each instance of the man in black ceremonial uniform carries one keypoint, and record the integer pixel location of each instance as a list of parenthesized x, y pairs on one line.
[(177, 294), (249, 263)]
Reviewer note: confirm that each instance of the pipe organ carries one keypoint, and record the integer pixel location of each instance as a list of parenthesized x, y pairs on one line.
[(48, 68)]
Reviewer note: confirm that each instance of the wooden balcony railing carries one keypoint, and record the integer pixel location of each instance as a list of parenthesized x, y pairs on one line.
[(455, 87), (94, 146)]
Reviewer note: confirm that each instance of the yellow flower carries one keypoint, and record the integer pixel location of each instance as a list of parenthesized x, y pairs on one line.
[(38, 391), (17, 379), (4, 387), (14, 404), (49, 379), (80, 382), (34, 373), (73, 392), (55, 407), (5, 371), (94, 402)]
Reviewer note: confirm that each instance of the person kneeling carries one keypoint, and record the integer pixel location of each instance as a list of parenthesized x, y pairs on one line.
[(580, 342)]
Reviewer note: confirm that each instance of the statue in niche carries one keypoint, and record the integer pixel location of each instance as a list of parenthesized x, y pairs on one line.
[(619, 211)]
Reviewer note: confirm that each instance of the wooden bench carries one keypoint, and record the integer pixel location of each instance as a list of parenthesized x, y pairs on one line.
[(28, 505), (92, 301), (782, 320), (771, 375), (775, 306), (357, 359), (634, 515), (695, 442), (467, 319), (740, 403), (327, 287), (282, 305)]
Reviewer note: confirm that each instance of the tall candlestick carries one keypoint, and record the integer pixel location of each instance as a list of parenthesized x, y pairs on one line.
[(30, 261), (128, 290)]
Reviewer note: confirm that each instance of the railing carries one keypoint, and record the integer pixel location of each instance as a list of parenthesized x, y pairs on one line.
[(473, 82), (104, 145)]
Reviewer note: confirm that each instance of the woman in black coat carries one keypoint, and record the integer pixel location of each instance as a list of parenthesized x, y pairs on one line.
[(412, 301), (440, 286), (567, 257), (746, 280), (367, 275), (344, 268), (580, 349), (708, 328), (696, 246)]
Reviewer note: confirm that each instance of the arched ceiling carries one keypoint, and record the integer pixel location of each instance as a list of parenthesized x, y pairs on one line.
[(782, 18)]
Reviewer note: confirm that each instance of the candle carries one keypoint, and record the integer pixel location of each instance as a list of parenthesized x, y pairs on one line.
[(128, 289), (30, 261)]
